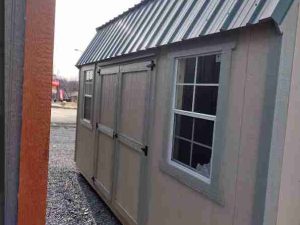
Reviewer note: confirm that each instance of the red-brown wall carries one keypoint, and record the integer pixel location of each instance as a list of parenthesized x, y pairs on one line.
[(39, 35)]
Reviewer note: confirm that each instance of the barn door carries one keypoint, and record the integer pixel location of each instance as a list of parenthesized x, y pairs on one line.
[(107, 112), (131, 141)]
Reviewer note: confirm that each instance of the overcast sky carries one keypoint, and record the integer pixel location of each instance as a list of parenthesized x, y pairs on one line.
[(75, 24)]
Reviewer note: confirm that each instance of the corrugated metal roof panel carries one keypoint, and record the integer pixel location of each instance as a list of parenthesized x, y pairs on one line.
[(154, 23)]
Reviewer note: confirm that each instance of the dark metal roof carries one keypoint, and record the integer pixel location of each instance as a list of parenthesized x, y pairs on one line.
[(154, 23)]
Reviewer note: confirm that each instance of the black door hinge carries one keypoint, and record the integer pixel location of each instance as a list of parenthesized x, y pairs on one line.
[(145, 150), (99, 71), (151, 65), (97, 125), (115, 135)]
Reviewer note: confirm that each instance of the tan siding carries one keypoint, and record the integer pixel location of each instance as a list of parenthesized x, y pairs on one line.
[(256, 70), (85, 151), (84, 155), (174, 203), (225, 215)]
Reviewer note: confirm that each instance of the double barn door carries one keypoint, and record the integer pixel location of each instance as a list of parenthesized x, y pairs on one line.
[(123, 101)]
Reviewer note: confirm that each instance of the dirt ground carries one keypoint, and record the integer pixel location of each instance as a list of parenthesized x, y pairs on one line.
[(63, 116)]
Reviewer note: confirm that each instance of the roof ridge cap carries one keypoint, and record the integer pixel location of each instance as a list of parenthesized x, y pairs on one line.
[(135, 7)]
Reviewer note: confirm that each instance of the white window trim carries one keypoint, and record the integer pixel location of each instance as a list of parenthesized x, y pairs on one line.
[(175, 111), (209, 187)]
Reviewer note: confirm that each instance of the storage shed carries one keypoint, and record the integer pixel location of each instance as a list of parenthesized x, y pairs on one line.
[(189, 113)]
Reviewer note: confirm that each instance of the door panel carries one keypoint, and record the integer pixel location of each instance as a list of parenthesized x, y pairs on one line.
[(104, 163), (127, 185), (132, 124), (107, 103), (133, 105), (105, 130)]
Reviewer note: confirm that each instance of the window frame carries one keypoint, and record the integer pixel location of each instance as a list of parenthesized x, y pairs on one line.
[(85, 122), (190, 114), (210, 187)]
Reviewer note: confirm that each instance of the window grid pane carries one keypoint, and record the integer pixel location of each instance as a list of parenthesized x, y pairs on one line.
[(186, 70), (206, 100), (87, 108), (184, 97), (194, 91), (208, 69)]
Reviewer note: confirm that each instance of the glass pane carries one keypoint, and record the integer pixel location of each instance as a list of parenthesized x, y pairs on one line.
[(208, 70), (88, 75), (183, 126), (184, 97), (87, 108), (203, 133), (206, 100), (89, 88), (186, 70), (182, 151), (201, 158)]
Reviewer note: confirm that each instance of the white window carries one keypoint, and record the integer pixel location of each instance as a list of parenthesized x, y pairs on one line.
[(194, 113), (88, 94)]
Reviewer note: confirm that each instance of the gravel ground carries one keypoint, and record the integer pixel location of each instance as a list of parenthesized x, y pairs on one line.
[(71, 200)]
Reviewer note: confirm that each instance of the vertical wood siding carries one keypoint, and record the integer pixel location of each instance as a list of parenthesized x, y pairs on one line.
[(2, 112)]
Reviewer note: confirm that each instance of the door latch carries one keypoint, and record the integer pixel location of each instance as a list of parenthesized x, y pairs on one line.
[(145, 150)]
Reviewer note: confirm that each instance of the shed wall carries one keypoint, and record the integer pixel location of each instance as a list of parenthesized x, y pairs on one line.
[(84, 135), (278, 190), (2, 87), (251, 102), (253, 81), (289, 200)]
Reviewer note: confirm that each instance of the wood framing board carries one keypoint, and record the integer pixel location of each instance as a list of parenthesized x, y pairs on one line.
[(2, 86), (14, 57), (38, 62)]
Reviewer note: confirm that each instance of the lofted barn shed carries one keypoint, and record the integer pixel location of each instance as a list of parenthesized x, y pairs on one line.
[(189, 113)]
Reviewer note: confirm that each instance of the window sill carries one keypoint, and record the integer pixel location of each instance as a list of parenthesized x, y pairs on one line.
[(210, 190), (87, 124)]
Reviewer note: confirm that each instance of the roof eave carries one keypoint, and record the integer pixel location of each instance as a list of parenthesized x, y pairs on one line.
[(281, 11)]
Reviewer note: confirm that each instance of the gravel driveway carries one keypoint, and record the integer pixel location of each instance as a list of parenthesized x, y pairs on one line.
[(71, 201)]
